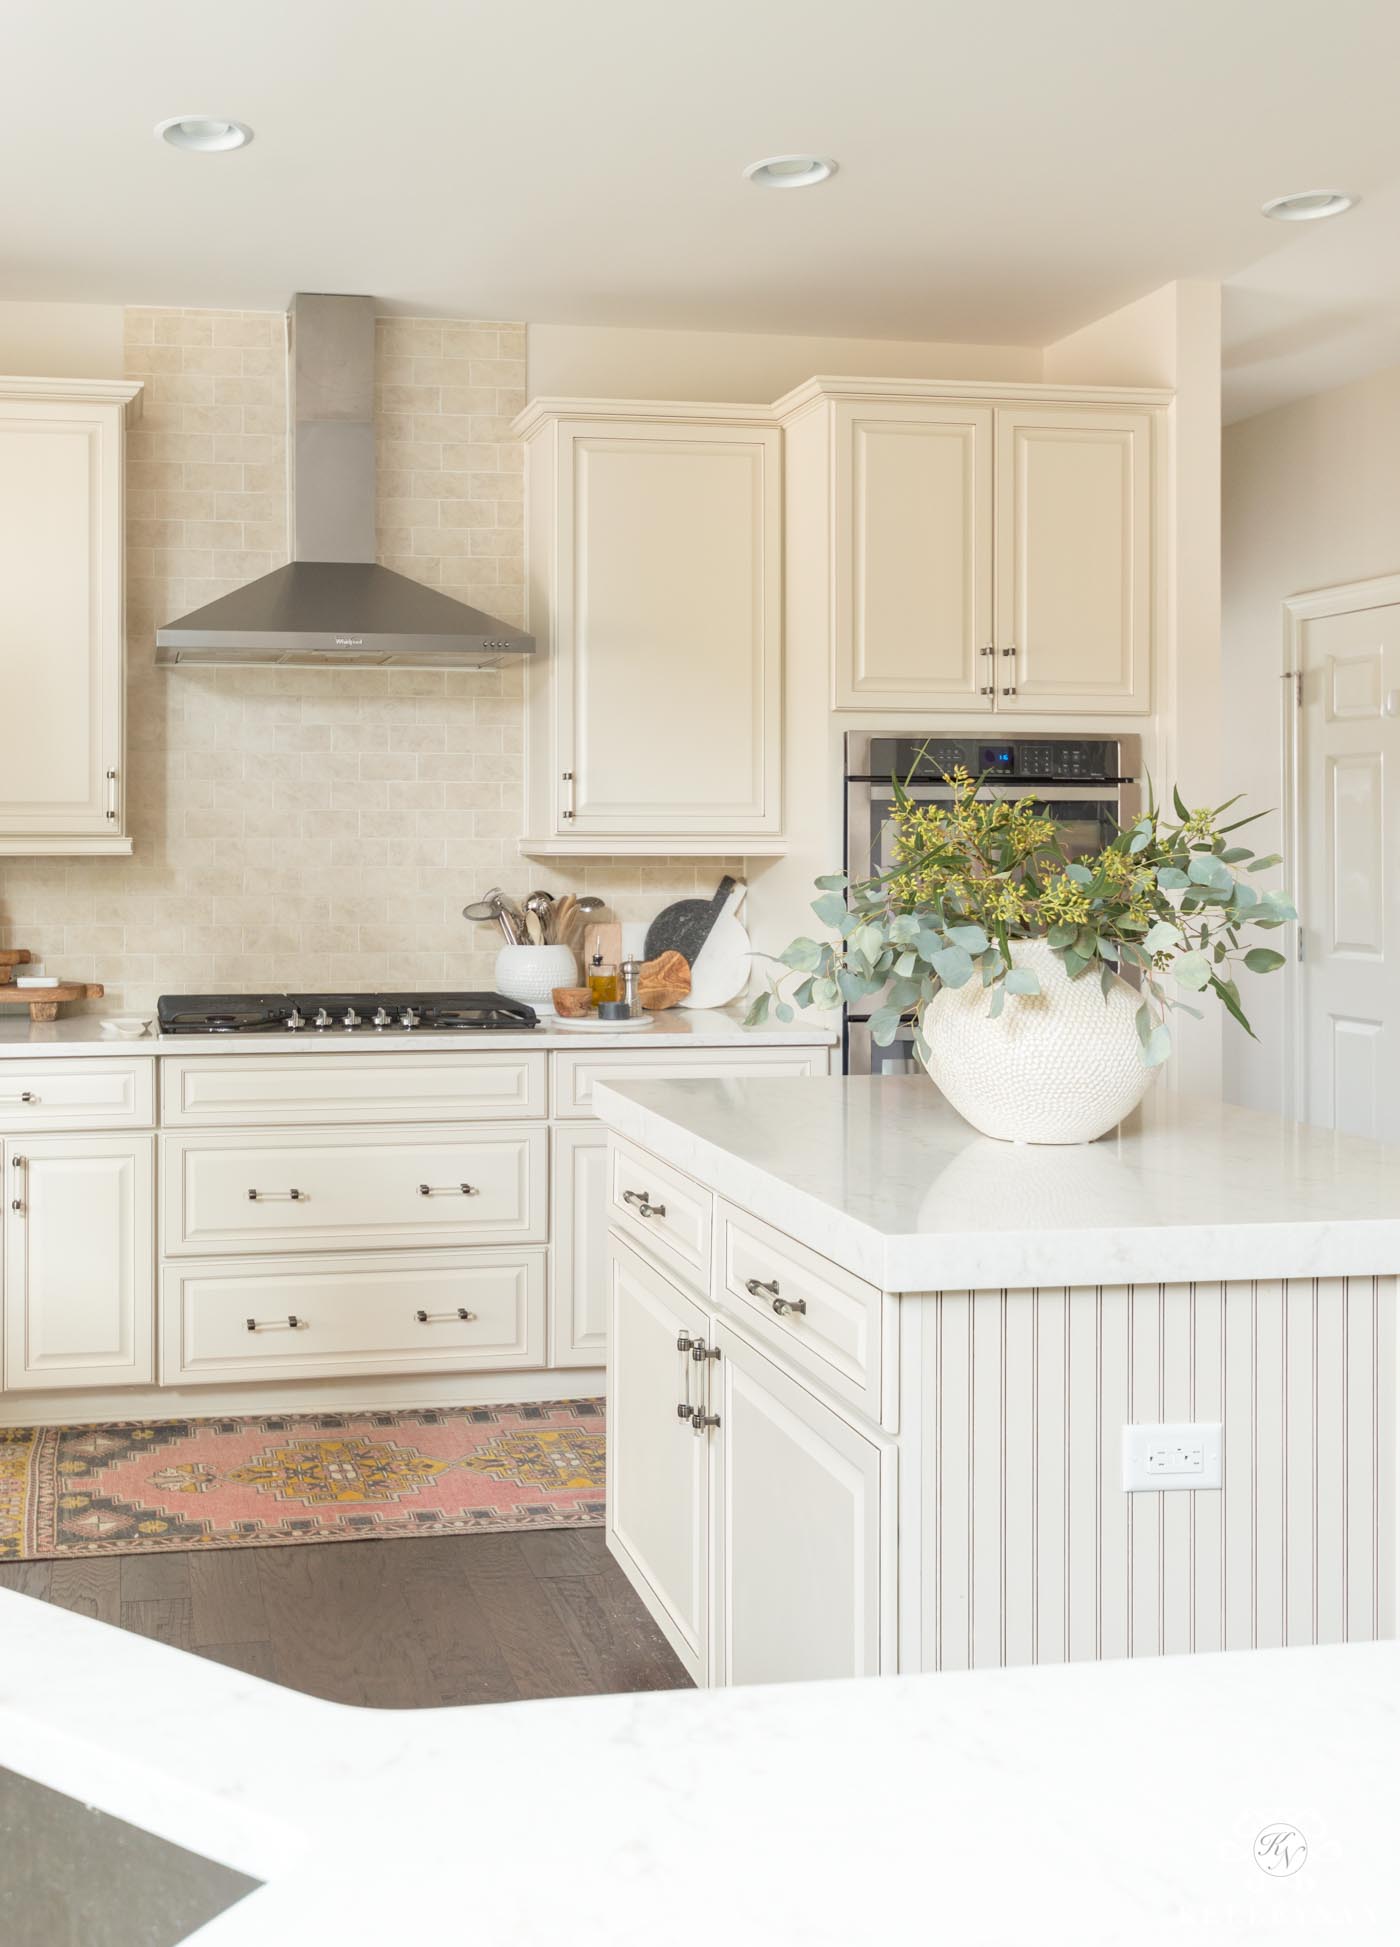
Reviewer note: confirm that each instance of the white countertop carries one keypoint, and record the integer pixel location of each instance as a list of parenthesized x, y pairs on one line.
[(879, 1175), (676, 1027), (1086, 1803)]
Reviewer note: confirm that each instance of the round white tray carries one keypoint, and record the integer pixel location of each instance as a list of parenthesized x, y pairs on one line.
[(590, 1024)]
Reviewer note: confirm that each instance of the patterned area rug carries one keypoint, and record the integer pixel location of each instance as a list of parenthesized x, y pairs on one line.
[(150, 1486)]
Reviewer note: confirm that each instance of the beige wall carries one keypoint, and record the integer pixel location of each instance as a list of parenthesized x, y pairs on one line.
[(1311, 500), (70, 341), (310, 828), (608, 362)]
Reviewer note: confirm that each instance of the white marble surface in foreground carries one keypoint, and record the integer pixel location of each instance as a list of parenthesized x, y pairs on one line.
[(675, 1027), (878, 1174), (1085, 1804)]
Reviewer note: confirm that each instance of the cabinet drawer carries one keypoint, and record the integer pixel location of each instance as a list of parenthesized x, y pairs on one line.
[(224, 1091), (818, 1317), (576, 1073), (77, 1094), (350, 1188), (662, 1210), (353, 1315)]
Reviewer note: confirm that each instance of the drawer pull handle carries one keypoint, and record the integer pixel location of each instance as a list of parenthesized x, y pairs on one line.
[(290, 1324), (642, 1203), (278, 1196), (447, 1190), (26, 1095), (782, 1306), (755, 1285), (435, 1318)]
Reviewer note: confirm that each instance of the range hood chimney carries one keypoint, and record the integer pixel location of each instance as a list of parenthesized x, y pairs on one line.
[(332, 603)]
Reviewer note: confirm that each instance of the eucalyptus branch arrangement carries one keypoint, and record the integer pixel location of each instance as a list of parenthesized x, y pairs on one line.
[(971, 878)]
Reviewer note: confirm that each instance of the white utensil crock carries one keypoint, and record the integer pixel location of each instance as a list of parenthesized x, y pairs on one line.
[(531, 973)]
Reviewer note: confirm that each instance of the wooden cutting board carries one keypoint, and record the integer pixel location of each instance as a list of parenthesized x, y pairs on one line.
[(43, 1002)]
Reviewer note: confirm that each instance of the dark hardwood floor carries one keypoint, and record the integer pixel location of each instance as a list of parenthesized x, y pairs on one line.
[(455, 1619)]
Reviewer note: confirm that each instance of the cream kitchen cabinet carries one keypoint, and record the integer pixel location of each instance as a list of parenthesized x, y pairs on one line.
[(754, 1518), (654, 538), (62, 630), (658, 1463), (964, 550), (79, 1261)]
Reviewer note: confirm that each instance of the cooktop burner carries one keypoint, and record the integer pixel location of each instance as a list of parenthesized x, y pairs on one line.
[(356, 1013)]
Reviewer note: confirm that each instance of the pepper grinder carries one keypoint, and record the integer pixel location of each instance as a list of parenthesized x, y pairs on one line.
[(631, 971)]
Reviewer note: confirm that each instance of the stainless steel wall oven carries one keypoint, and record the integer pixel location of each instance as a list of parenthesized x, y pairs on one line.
[(1089, 785)]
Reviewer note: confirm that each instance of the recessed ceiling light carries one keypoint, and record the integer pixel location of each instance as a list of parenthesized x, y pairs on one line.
[(1308, 205), (790, 171), (206, 134)]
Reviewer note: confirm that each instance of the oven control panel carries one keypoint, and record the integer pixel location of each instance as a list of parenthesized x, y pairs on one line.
[(1060, 760)]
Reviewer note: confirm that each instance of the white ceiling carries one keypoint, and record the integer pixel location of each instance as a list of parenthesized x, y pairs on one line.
[(1009, 169)]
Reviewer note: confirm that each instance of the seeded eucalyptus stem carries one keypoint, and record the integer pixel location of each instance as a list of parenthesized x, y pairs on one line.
[(1163, 902)]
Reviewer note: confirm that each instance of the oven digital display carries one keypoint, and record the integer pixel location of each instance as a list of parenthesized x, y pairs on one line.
[(997, 757)]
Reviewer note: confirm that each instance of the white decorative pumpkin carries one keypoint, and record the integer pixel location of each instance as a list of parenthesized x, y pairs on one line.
[(1061, 1066)]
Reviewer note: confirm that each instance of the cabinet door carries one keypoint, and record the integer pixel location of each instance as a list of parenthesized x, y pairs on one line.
[(667, 693), (578, 1300), (79, 1273), (60, 619), (800, 1555), (1074, 561), (913, 563), (658, 1523)]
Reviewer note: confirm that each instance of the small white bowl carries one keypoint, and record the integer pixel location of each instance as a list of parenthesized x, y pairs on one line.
[(37, 980), (124, 1027)]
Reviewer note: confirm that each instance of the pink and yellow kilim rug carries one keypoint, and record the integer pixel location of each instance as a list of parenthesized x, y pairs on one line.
[(151, 1486)]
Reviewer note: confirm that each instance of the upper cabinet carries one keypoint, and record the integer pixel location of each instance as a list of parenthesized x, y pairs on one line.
[(62, 635), (655, 600), (980, 554)]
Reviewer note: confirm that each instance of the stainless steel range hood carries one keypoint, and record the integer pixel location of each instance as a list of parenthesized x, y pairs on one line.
[(333, 603)]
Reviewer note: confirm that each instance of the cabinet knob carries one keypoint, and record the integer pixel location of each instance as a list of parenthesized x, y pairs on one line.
[(700, 1420), (1010, 690)]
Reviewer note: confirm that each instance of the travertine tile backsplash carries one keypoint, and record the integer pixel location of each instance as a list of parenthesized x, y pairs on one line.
[(311, 828)]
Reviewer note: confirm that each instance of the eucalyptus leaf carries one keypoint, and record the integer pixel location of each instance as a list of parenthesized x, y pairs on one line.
[(1206, 869), (1161, 937), (1171, 879), (884, 1025), (1158, 1046), (1263, 959), (1021, 980), (1062, 936), (1262, 865), (804, 956), (998, 1001), (758, 1013), (1143, 1018), (783, 1011), (831, 882), (830, 908), (1192, 971), (971, 938), (1080, 874), (953, 965)]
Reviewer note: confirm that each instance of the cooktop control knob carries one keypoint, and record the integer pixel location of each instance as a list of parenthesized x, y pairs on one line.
[(295, 1020), (382, 1016), (351, 1019), (408, 1019), (323, 1020)]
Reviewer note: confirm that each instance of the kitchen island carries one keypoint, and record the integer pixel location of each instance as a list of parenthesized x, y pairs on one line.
[(869, 1375)]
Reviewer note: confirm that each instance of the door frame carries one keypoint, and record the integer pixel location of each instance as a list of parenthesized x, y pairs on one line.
[(1345, 598)]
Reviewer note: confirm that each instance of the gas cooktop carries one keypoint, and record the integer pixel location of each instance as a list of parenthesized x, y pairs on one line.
[(356, 1013)]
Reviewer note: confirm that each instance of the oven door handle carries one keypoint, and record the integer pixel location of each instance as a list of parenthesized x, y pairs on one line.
[(1096, 793)]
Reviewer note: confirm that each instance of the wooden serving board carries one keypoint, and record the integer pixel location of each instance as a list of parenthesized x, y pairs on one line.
[(14, 956), (43, 1002)]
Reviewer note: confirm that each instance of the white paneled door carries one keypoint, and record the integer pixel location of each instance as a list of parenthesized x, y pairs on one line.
[(79, 1261), (1348, 748)]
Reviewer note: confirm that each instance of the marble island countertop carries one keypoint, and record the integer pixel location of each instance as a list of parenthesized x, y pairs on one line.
[(1085, 1803), (676, 1027), (880, 1176)]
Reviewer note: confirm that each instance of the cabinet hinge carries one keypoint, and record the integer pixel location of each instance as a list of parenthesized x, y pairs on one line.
[(1295, 677)]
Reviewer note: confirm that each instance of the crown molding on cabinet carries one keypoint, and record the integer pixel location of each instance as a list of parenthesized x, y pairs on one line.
[(78, 392), (814, 391), (665, 411)]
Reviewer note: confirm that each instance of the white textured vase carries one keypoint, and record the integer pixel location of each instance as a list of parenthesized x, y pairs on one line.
[(531, 973), (1061, 1066)]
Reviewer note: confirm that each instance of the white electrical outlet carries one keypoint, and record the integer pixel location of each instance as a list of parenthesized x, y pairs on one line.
[(1185, 1455)]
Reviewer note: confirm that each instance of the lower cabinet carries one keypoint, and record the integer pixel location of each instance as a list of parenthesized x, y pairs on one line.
[(754, 1519), (79, 1261), (658, 1487), (579, 1228), (797, 1534)]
